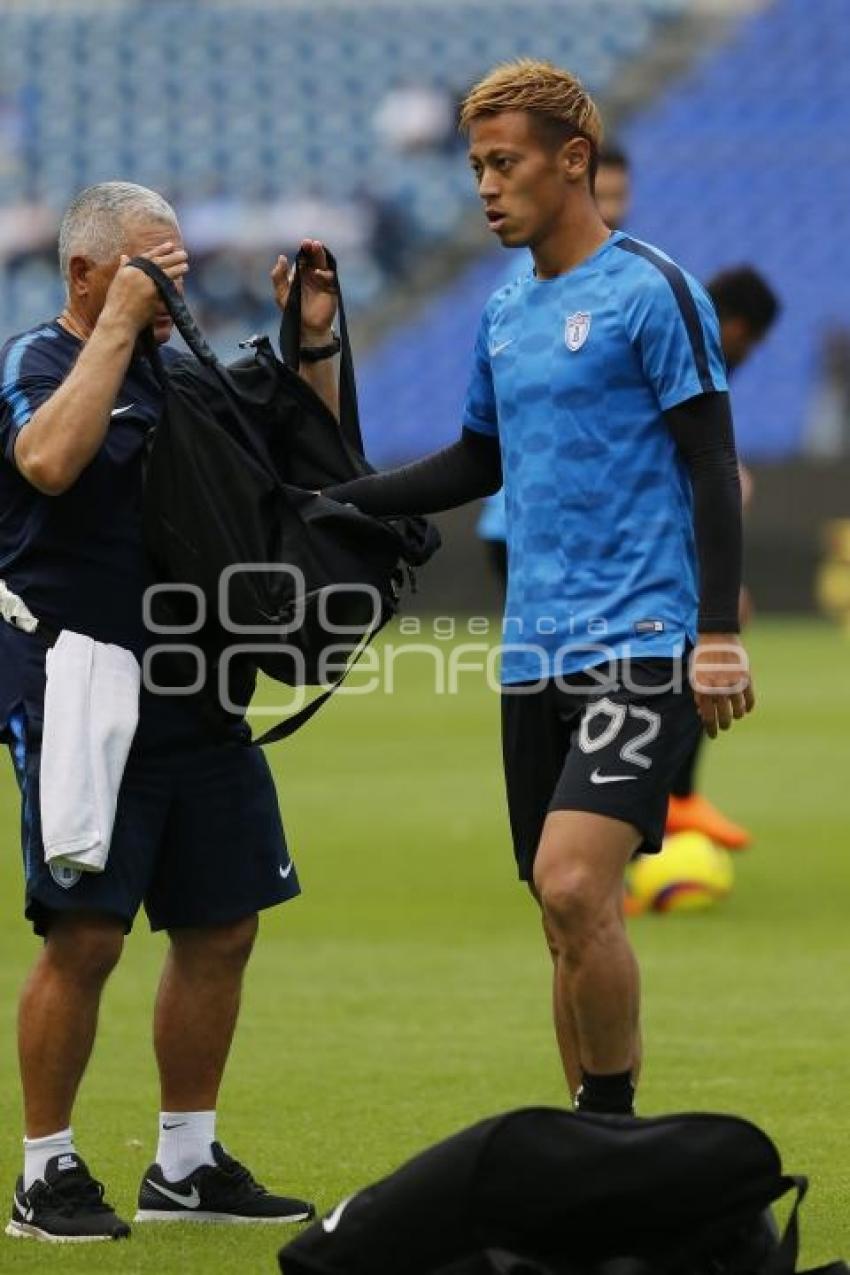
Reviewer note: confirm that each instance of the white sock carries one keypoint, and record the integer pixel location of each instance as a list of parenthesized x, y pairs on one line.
[(185, 1138), (37, 1151)]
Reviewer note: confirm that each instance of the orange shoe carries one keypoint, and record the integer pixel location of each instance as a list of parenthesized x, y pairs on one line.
[(696, 814), (631, 905)]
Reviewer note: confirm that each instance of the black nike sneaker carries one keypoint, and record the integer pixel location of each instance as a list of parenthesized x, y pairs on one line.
[(223, 1192), (67, 1207)]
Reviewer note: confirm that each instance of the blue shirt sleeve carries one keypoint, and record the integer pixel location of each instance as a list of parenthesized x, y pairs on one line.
[(479, 412), (492, 524), (672, 323), (27, 379)]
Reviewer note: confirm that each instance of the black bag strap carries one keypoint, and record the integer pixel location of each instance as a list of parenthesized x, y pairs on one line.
[(290, 344), (284, 729), (203, 352), (179, 311), (783, 1261), (290, 725)]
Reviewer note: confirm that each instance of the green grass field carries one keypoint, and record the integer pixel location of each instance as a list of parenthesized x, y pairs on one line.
[(406, 993)]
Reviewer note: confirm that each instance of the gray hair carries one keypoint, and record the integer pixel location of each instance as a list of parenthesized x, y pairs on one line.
[(95, 222)]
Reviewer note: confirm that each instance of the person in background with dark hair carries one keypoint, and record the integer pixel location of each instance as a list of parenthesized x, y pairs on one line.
[(613, 189), (613, 194), (747, 308)]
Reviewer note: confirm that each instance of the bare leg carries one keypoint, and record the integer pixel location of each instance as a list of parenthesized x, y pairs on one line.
[(566, 1030), (57, 1017), (196, 1011), (578, 877)]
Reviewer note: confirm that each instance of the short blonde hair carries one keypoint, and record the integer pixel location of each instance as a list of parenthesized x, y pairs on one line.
[(555, 96)]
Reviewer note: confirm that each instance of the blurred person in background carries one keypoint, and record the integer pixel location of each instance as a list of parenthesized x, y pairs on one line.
[(827, 431), (416, 118), (598, 390), (197, 836), (613, 189)]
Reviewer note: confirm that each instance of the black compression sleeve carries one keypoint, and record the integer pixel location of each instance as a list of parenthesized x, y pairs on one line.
[(470, 468), (702, 428)]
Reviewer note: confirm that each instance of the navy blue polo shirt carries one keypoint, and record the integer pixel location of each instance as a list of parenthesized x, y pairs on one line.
[(76, 559)]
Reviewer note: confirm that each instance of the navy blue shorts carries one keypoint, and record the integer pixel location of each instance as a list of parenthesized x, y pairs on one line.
[(198, 837), (608, 747)]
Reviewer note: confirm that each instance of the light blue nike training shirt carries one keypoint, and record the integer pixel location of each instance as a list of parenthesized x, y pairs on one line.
[(573, 374)]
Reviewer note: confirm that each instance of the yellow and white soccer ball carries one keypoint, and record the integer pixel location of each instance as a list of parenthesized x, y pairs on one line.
[(690, 873)]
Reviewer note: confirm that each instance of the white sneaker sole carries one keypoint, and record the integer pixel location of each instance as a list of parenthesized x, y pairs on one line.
[(23, 1231), (199, 1215)]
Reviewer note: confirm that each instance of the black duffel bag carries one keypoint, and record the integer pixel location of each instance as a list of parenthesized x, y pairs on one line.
[(295, 583), (543, 1191)]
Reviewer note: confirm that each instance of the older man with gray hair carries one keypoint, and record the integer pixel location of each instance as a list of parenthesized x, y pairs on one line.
[(197, 836)]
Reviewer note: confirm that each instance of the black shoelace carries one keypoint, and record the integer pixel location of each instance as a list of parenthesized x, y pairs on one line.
[(242, 1178), (74, 1190)]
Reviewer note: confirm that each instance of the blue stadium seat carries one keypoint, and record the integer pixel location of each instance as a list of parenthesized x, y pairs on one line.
[(113, 93), (747, 160)]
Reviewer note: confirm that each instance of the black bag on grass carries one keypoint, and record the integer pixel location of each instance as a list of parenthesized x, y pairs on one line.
[(548, 1192), (231, 508)]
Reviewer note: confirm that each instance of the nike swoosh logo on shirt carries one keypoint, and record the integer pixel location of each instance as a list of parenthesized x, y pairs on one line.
[(190, 1201), (331, 1222), (596, 778), (284, 872), (497, 349), (119, 411)]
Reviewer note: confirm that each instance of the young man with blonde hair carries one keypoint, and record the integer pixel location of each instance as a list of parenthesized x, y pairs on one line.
[(598, 392)]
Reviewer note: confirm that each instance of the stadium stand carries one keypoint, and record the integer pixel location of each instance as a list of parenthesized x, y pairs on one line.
[(271, 120), (746, 159)]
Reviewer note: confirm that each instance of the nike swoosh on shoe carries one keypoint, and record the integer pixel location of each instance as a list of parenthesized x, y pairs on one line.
[(190, 1201), (25, 1212)]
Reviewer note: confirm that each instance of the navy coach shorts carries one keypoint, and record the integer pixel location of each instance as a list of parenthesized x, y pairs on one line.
[(608, 741), (198, 837)]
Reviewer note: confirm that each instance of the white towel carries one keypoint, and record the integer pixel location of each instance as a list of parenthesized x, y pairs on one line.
[(91, 710)]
